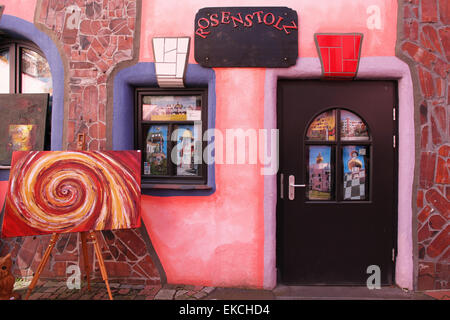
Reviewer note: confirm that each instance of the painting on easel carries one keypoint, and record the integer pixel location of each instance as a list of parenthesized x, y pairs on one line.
[(72, 191)]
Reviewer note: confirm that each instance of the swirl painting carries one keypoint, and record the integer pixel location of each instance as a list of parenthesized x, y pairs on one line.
[(72, 191)]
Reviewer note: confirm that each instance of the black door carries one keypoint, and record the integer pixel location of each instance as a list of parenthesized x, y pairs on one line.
[(336, 211)]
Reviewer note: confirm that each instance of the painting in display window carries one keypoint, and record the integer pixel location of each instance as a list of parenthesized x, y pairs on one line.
[(155, 161), (353, 128), (323, 128), (187, 148), (22, 123), (319, 168), (171, 108), (355, 172)]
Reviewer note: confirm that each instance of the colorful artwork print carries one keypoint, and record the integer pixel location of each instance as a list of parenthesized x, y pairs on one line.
[(155, 162), (171, 108), (72, 191), (187, 137), (353, 127), (355, 172), (323, 128), (319, 173), (21, 137), (22, 124)]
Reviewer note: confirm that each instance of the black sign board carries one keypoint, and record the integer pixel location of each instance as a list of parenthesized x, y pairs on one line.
[(246, 37)]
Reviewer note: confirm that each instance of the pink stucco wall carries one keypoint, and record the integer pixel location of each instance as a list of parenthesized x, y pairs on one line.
[(223, 239), (23, 9)]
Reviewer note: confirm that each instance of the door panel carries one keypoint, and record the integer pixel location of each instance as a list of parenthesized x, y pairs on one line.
[(329, 240)]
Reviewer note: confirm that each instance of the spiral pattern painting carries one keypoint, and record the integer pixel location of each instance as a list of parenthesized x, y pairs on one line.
[(72, 191)]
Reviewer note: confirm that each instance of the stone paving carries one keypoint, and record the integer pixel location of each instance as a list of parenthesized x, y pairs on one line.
[(58, 290)]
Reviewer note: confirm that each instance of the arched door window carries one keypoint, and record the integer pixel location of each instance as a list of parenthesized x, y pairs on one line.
[(23, 68), (338, 149)]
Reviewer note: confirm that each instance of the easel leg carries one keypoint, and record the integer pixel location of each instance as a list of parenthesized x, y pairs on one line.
[(86, 258), (101, 263), (42, 264)]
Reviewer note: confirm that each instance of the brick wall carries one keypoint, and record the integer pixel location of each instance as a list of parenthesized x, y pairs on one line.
[(425, 42), (93, 38)]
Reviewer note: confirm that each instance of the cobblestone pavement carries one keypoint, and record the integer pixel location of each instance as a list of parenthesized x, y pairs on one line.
[(58, 290)]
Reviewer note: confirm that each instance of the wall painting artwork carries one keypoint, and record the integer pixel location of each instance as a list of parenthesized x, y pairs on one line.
[(353, 127), (72, 191), (22, 125), (323, 127), (171, 108), (355, 172), (155, 161), (319, 173)]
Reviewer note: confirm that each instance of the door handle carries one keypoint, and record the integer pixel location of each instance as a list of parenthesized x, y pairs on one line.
[(292, 187)]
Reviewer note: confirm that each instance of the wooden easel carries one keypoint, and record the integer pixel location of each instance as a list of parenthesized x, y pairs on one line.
[(84, 238)]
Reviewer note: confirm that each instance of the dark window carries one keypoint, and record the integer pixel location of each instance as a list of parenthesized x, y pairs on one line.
[(169, 131)]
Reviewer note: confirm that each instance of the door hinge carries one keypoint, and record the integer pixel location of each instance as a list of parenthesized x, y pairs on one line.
[(394, 141), (393, 254), (393, 114)]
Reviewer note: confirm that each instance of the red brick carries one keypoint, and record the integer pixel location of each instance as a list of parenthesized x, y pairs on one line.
[(92, 56), (438, 202), (411, 30), (444, 151), (419, 200), (436, 135), (432, 35), (89, 103), (125, 42), (440, 89), (127, 252), (85, 27), (429, 11), (444, 11), (132, 241), (436, 222), (424, 138), (445, 40), (427, 168), (442, 171), (440, 243), (424, 233), (423, 111), (441, 68), (148, 267), (426, 83), (117, 269)]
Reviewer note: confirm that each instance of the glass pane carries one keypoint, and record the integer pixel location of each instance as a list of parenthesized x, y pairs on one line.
[(319, 170), (35, 73), (188, 150), (155, 160), (4, 71), (323, 128), (353, 128), (356, 172), (171, 108)]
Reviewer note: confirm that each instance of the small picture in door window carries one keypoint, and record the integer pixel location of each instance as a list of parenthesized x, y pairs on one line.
[(319, 173), (353, 127), (323, 128), (155, 162), (171, 108), (355, 172), (187, 147)]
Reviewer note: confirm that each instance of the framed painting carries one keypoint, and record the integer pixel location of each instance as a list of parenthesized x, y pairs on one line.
[(72, 191), (22, 124)]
